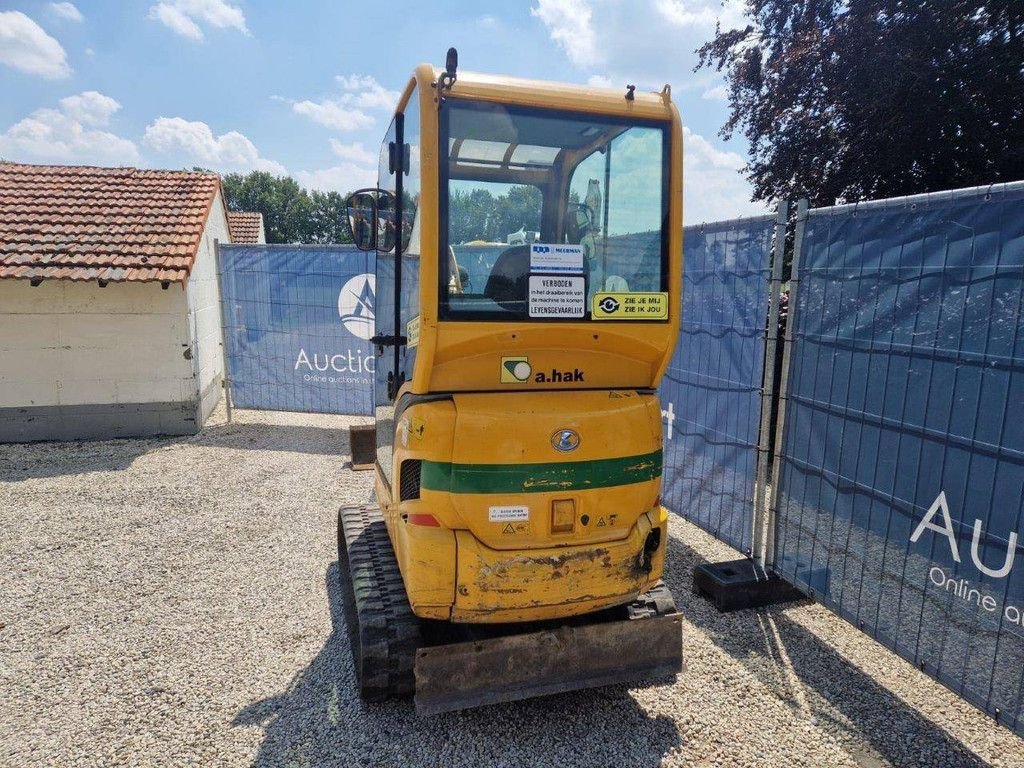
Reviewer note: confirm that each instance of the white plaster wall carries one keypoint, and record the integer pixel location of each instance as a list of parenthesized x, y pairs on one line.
[(203, 296), (71, 343)]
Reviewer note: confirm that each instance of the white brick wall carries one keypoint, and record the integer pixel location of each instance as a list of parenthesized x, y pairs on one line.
[(204, 309), (70, 343)]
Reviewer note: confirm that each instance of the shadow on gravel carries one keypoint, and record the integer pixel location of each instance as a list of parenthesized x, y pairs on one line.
[(319, 720), (798, 666), (293, 438), (22, 461)]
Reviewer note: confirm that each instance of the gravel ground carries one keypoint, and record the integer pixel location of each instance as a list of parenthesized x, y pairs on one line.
[(174, 602)]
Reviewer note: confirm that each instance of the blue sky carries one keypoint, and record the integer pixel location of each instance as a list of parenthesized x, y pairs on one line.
[(306, 87)]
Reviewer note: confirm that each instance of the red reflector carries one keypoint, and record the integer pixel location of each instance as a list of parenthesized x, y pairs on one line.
[(428, 520), (657, 501)]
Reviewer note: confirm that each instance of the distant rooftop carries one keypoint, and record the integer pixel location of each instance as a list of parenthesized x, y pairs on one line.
[(245, 227), (87, 223)]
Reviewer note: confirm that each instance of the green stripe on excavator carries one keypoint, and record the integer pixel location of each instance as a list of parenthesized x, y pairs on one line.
[(539, 478)]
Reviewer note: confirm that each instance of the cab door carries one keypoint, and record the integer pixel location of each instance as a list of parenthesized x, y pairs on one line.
[(398, 273), (386, 336)]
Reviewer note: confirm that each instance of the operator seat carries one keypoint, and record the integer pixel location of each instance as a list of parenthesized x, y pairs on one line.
[(508, 285)]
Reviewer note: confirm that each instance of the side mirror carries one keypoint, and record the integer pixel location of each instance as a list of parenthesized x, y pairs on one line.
[(386, 224), (370, 219)]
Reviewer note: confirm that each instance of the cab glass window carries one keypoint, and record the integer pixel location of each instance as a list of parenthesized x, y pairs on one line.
[(542, 209)]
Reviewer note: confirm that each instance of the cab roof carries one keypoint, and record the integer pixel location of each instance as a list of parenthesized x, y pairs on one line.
[(543, 93)]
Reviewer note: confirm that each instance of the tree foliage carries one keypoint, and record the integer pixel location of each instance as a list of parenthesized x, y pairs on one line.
[(479, 215), (843, 100), (290, 213)]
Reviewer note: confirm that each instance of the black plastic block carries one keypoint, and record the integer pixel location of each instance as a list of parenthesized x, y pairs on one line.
[(738, 584), (363, 442)]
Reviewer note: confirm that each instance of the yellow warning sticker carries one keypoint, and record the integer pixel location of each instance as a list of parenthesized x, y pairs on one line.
[(412, 332), (630, 306)]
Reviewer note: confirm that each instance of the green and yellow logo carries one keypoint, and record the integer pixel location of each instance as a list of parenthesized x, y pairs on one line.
[(515, 370)]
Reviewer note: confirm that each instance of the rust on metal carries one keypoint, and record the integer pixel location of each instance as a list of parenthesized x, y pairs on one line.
[(479, 672)]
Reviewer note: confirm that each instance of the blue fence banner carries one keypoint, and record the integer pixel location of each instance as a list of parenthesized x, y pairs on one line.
[(298, 320), (901, 471), (711, 393)]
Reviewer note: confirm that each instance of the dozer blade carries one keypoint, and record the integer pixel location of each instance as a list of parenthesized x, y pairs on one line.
[(471, 674)]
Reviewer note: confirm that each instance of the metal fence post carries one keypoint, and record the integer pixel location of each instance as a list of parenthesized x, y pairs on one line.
[(780, 426), (226, 377), (762, 533)]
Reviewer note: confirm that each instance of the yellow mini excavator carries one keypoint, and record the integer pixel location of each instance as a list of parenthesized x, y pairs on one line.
[(528, 241)]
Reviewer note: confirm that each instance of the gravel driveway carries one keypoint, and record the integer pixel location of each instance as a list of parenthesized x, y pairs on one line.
[(174, 602)]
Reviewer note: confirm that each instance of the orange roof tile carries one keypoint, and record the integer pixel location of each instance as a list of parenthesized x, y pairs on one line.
[(245, 226), (86, 223)]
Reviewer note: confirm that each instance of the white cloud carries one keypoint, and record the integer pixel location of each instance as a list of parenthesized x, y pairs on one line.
[(708, 155), (685, 13), (713, 183), (349, 110), (25, 45), (364, 91), (733, 14), (649, 43), (357, 169), (355, 82), (603, 35), (90, 108), (569, 24), (195, 141), (336, 114), (176, 20), (184, 16), (63, 136), (700, 13), (66, 11), (718, 93), (355, 153), (345, 177)]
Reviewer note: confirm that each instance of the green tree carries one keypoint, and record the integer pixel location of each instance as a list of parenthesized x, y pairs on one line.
[(843, 100), (285, 206), (478, 215), (327, 218), (290, 213), (519, 208)]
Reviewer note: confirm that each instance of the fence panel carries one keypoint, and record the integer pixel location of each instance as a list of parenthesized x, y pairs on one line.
[(711, 393), (901, 480), (298, 320)]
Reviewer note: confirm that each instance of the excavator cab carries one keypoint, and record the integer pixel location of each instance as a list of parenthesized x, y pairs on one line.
[(528, 241)]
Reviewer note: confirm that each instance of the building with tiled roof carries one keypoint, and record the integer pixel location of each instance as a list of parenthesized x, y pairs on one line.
[(109, 312), (246, 227)]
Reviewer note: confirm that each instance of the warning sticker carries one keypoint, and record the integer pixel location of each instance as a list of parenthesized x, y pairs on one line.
[(630, 306), (557, 259), (412, 332), (507, 513), (557, 296)]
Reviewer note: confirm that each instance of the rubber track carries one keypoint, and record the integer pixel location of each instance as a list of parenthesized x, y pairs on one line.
[(383, 631)]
